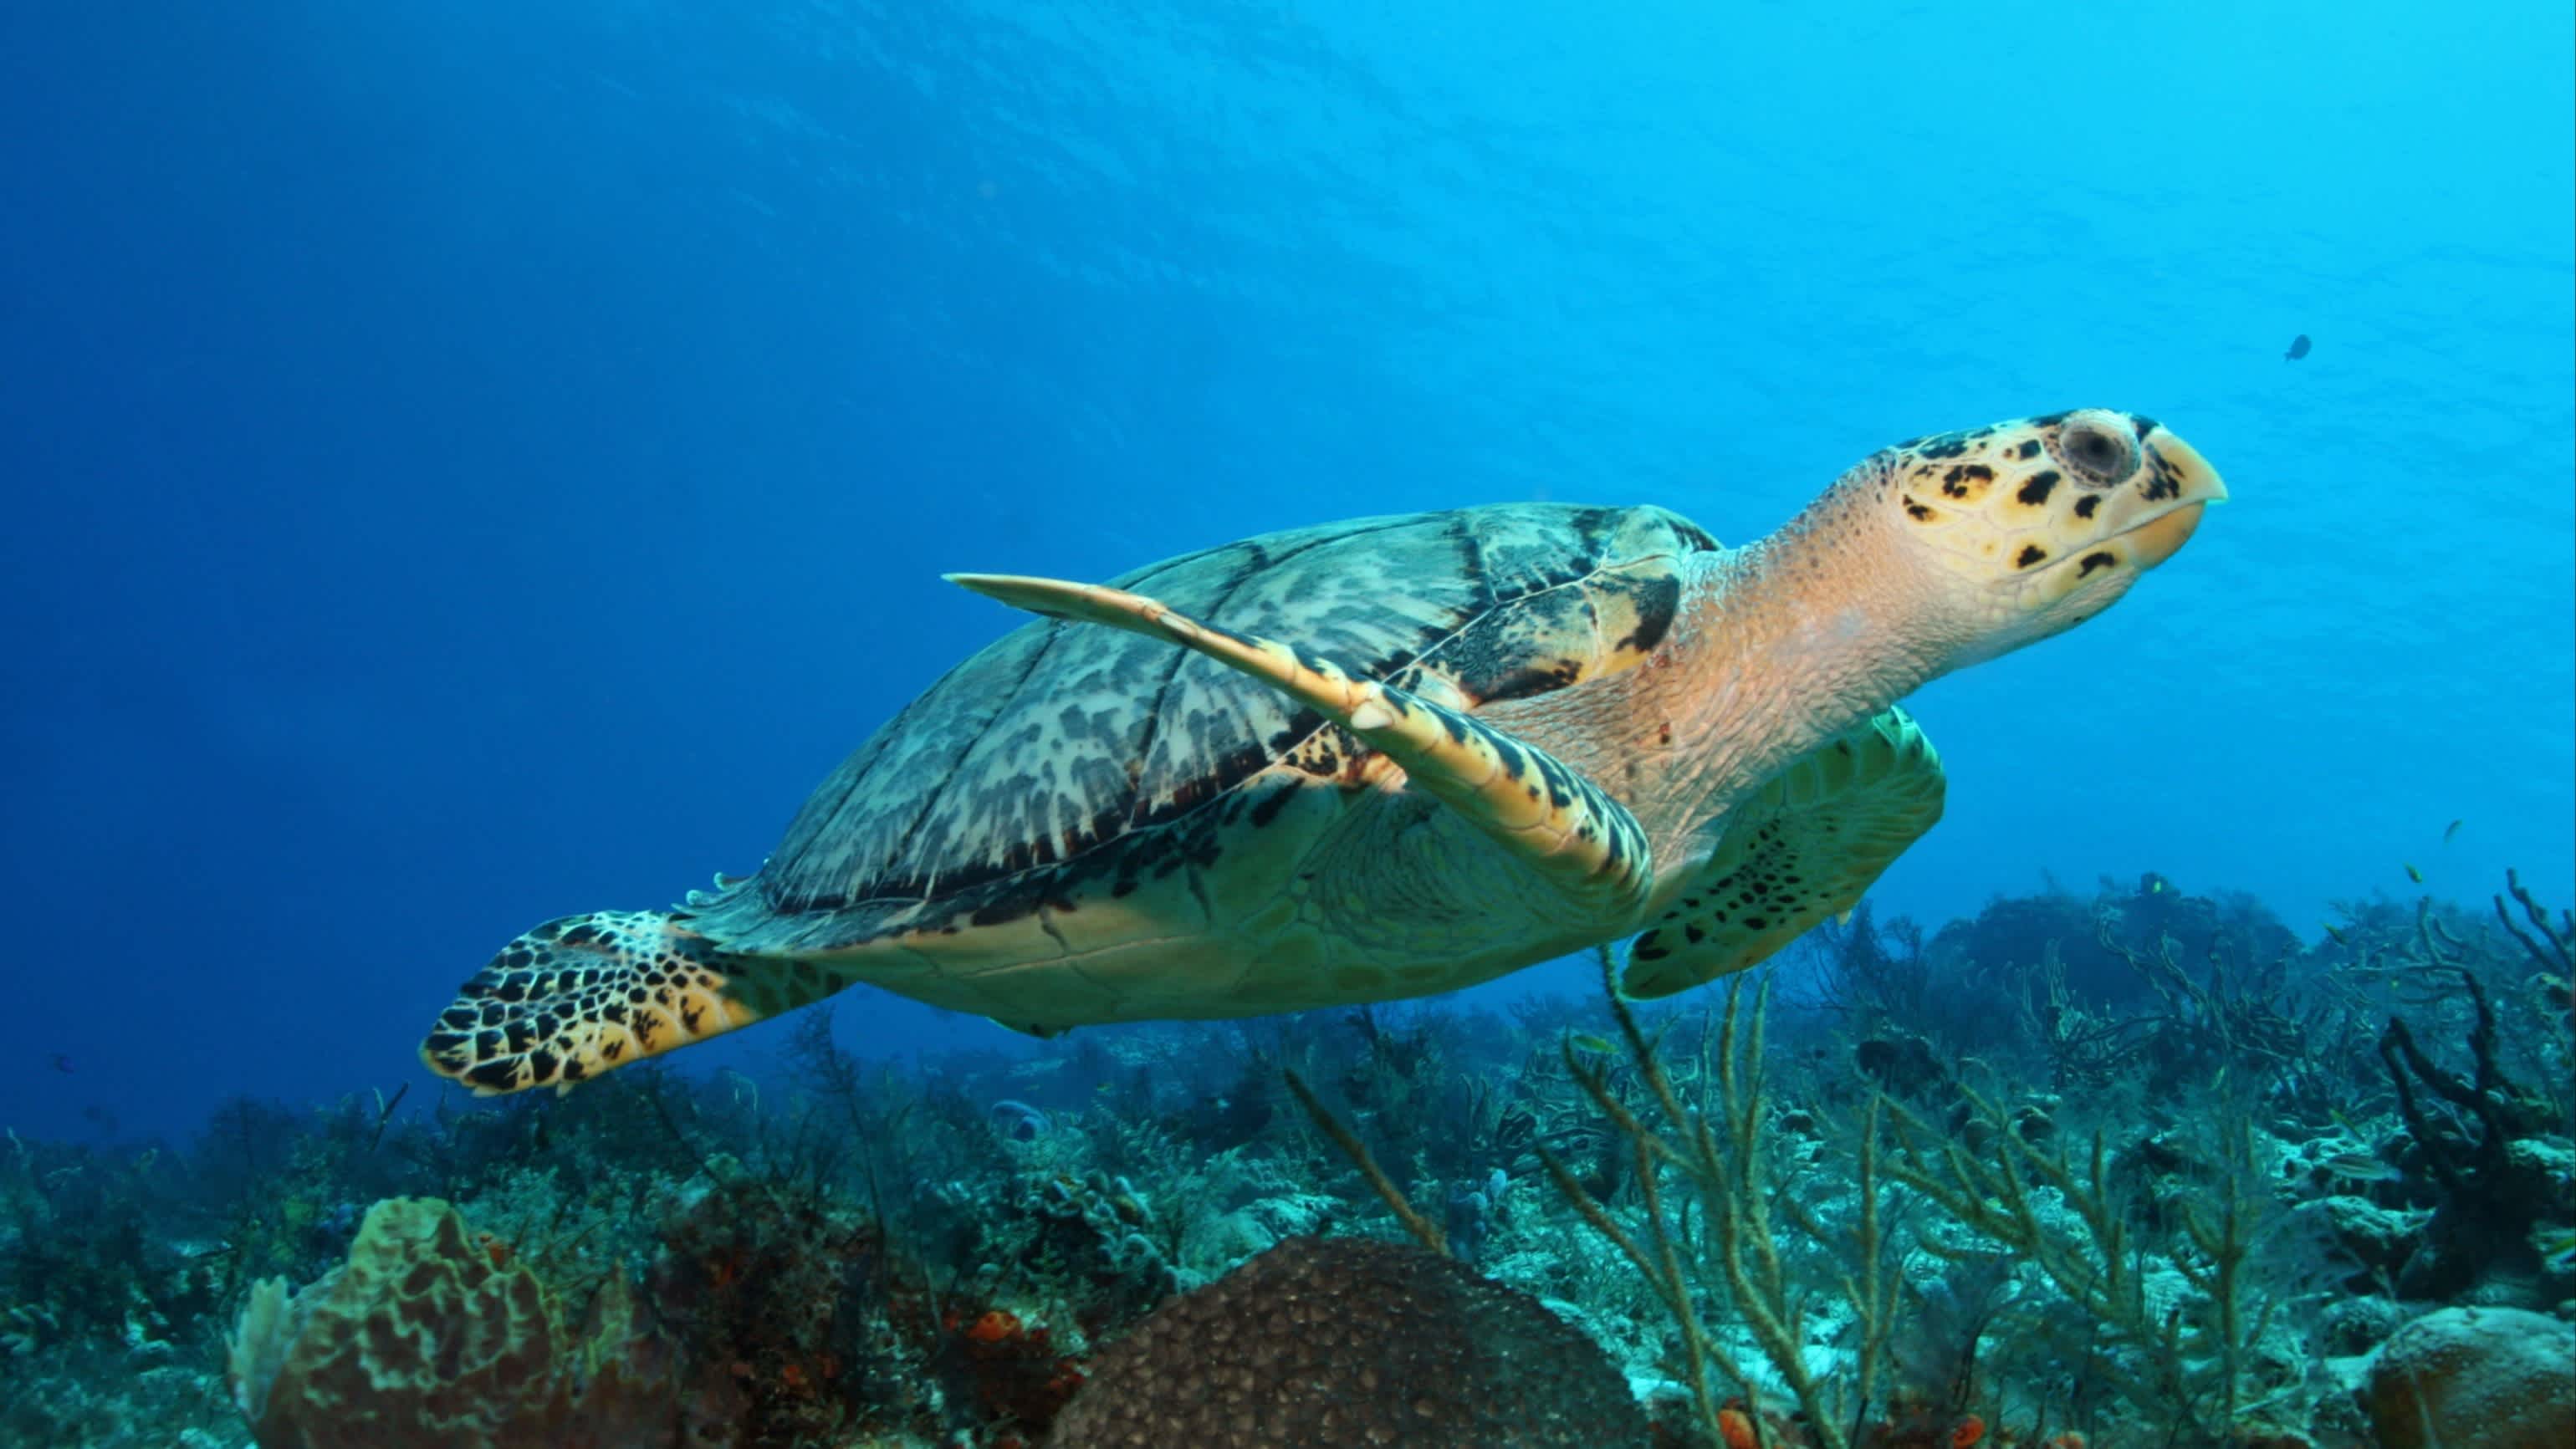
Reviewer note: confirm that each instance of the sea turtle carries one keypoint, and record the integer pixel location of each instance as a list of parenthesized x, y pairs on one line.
[(1383, 758)]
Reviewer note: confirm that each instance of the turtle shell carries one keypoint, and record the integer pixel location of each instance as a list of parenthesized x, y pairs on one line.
[(1065, 756)]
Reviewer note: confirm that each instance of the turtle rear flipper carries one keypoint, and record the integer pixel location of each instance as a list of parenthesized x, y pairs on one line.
[(579, 995), (1544, 813), (1804, 847)]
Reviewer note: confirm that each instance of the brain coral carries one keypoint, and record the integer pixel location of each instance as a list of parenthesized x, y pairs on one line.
[(1346, 1341), (2475, 1378)]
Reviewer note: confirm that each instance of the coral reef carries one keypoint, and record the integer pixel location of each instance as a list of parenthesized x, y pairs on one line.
[(2475, 1378), (1090, 1232), (2480, 1138), (773, 1295), (428, 1337), (1351, 1341), (2133, 1171)]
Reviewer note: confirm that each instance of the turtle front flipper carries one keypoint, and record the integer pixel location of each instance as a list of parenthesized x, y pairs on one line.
[(579, 995), (1550, 818), (1801, 848)]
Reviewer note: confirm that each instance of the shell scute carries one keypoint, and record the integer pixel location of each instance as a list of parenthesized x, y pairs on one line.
[(1066, 757)]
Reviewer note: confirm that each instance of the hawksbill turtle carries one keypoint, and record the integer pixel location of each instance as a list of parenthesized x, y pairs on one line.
[(1383, 758)]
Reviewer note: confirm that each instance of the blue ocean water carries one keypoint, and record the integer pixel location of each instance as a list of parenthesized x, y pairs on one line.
[(472, 463)]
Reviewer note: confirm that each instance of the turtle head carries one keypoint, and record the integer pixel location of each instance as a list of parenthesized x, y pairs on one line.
[(2022, 530)]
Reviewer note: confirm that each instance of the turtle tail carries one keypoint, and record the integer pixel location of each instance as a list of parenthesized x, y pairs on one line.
[(582, 994)]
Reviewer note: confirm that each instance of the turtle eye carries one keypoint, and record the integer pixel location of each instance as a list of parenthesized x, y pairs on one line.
[(2104, 455)]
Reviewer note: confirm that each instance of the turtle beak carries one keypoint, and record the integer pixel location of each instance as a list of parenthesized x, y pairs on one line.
[(2161, 537)]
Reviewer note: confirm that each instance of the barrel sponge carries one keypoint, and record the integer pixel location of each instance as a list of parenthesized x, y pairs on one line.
[(2475, 1378), (421, 1338), (1352, 1341)]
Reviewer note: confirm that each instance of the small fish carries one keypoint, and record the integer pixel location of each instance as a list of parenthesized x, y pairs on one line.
[(2298, 348), (1587, 1042), (2557, 1247), (2413, 874), (62, 1063), (2360, 1167), (2339, 938), (2452, 829)]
